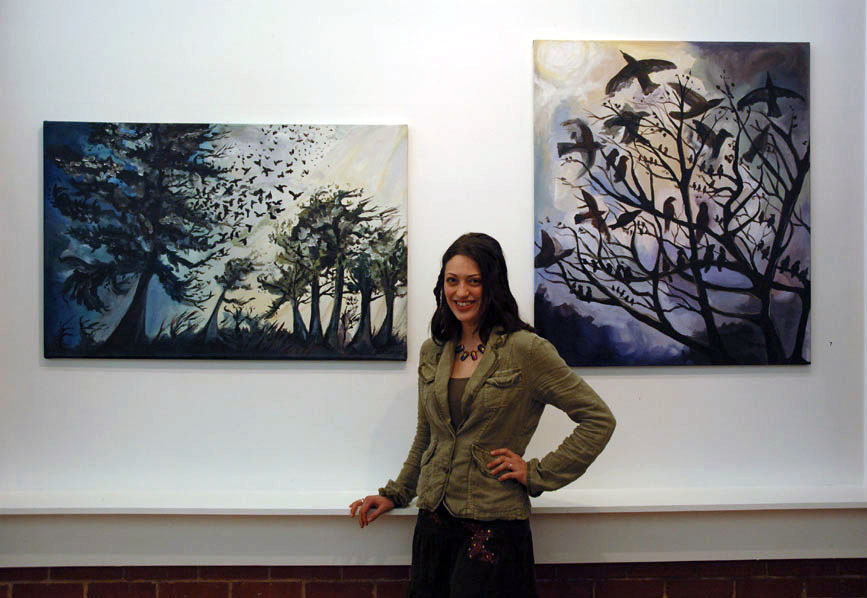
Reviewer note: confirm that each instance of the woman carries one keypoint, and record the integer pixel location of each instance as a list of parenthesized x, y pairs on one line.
[(484, 379)]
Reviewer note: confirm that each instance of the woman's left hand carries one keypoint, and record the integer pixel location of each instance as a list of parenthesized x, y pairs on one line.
[(511, 463)]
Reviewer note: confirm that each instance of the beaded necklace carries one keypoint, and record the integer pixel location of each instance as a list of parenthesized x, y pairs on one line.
[(474, 355)]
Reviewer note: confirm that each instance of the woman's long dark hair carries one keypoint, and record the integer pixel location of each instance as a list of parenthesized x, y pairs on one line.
[(498, 308)]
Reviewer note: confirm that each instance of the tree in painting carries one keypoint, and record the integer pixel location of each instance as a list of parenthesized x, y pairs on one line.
[(679, 227), (291, 282), (133, 196), (165, 240), (235, 277), (341, 241), (389, 271), (378, 266)]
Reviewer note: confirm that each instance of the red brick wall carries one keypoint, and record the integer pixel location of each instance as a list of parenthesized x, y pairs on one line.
[(826, 578)]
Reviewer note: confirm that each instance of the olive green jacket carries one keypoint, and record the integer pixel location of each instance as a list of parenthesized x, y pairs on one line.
[(517, 376)]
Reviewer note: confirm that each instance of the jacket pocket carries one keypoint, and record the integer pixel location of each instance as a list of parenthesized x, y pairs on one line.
[(426, 372), (504, 378), (489, 493), (429, 452), (426, 376), (430, 478), (498, 388)]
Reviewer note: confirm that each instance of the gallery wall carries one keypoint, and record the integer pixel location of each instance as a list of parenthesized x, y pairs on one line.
[(459, 74)]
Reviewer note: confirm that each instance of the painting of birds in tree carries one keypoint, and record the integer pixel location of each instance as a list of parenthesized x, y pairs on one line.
[(225, 241), (672, 202)]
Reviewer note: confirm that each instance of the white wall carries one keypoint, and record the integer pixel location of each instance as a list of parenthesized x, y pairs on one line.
[(460, 75)]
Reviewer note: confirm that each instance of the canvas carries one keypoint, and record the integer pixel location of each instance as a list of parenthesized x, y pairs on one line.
[(672, 202), (225, 241)]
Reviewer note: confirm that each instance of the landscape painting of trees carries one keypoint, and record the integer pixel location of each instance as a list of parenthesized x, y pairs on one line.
[(672, 202), (225, 241)]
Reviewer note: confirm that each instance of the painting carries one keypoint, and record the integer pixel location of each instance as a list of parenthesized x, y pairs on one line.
[(672, 202), (225, 241)]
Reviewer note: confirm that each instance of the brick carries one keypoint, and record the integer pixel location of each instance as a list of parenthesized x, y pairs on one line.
[(662, 570), (731, 569), (768, 588), (706, 588), (839, 587), (848, 566), (629, 588), (24, 574), (121, 590), (395, 572), (306, 572), (86, 573), (338, 589), (193, 589), (161, 573), (233, 573), (48, 590), (392, 589), (546, 571), (564, 589), (802, 568), (264, 589), (591, 571)]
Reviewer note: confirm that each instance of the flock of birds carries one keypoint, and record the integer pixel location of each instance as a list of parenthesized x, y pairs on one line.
[(257, 182), (627, 123)]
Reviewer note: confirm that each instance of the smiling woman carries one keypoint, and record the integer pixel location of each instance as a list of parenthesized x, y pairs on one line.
[(463, 288), (484, 379)]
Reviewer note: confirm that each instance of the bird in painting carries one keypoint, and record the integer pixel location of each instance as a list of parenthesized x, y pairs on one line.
[(620, 170), (697, 103), (705, 134), (625, 218), (718, 141), (550, 252), (710, 138), (586, 145), (708, 257), (638, 70), (596, 217), (769, 95), (681, 258), (760, 142), (629, 121), (701, 221), (668, 211), (610, 158)]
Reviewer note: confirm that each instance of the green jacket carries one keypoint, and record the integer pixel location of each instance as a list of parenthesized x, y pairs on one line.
[(516, 377)]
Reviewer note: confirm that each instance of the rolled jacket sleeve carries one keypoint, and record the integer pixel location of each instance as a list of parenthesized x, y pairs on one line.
[(555, 383)]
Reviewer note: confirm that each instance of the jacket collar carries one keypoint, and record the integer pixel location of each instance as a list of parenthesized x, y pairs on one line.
[(487, 365)]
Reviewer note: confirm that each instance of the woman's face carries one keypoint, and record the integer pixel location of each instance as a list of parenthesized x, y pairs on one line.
[(462, 286)]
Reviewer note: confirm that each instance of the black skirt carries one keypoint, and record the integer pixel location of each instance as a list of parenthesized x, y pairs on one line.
[(466, 558)]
